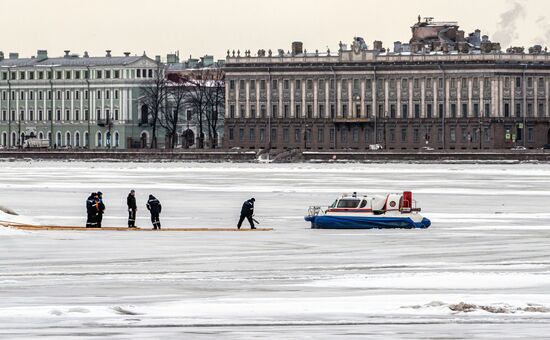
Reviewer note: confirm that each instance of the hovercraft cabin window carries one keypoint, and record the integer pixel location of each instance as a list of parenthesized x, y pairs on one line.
[(348, 203)]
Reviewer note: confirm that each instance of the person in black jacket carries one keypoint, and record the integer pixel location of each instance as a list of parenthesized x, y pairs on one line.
[(247, 211), (100, 208), (132, 208), (91, 211), (153, 205)]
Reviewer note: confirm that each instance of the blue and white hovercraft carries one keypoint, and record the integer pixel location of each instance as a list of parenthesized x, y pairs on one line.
[(392, 211)]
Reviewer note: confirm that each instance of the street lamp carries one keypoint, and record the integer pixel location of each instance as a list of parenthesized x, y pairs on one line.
[(51, 67)]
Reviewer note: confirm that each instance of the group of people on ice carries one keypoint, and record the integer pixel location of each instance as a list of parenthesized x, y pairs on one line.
[(95, 209)]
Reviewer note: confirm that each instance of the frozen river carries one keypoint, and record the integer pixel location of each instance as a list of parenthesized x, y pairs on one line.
[(489, 246)]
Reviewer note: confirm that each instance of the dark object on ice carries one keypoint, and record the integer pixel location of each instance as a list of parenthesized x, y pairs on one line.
[(247, 211), (8, 211), (91, 211), (100, 208), (153, 205), (132, 208)]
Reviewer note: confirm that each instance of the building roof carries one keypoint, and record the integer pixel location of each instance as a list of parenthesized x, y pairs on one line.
[(71, 61)]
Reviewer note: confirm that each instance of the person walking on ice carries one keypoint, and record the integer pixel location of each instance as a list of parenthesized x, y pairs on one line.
[(247, 211), (132, 208), (91, 211), (153, 205)]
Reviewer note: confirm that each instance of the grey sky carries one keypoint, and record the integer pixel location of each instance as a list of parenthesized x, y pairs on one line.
[(201, 27)]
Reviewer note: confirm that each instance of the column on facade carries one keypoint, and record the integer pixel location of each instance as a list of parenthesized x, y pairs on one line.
[(500, 80), (423, 98), (459, 97), (315, 98), (351, 107), (362, 96), (36, 115), (387, 97), (327, 99), (238, 112), (411, 103), (227, 105), (280, 83), (122, 111), (303, 106), (435, 109), (258, 106), (447, 98), (374, 86), (547, 99), (130, 106), (339, 98), (269, 107), (470, 94), (292, 99), (536, 97), (494, 97), (513, 112), (247, 91), (399, 111)]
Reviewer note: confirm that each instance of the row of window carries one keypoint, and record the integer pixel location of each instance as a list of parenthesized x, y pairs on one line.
[(100, 141), (356, 83), (69, 115), (430, 111), (301, 136), (75, 74), (59, 95)]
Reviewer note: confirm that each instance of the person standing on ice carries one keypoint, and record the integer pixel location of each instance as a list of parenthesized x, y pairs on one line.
[(153, 205), (91, 211), (132, 208), (100, 208), (247, 211)]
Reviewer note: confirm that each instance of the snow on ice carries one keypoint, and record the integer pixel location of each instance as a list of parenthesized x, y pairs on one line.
[(482, 271)]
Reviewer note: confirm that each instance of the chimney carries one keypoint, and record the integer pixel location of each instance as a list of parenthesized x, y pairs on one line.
[(41, 55), (14, 55), (67, 53), (378, 46), (108, 55), (297, 48), (460, 36), (126, 54), (157, 58), (85, 54), (172, 58), (397, 47), (1, 55)]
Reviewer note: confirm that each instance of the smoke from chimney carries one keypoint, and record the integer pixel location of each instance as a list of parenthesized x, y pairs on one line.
[(508, 25)]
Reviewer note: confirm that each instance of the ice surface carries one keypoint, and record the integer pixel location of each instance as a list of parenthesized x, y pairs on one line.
[(488, 246)]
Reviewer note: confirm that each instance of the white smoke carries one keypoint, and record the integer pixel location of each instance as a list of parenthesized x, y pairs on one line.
[(507, 30)]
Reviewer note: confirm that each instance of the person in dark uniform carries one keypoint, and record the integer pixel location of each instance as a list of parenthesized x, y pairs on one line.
[(247, 211), (153, 205), (91, 211), (132, 208), (100, 208)]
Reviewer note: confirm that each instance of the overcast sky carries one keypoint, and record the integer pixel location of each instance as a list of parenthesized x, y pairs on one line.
[(211, 27)]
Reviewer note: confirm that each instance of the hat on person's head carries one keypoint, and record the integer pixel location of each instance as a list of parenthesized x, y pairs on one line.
[(151, 196), (253, 199), (99, 193), (132, 191)]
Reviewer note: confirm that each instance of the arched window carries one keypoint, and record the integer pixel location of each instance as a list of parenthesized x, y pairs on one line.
[(144, 114), (68, 139), (108, 139), (77, 139), (58, 139), (117, 140), (22, 138), (4, 139), (50, 138), (13, 138), (86, 140), (99, 140), (40, 135)]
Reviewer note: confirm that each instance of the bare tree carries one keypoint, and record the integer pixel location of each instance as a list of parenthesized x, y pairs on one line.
[(154, 92), (197, 99), (215, 94), (175, 104)]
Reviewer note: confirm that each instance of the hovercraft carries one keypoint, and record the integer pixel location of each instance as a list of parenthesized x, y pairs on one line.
[(392, 211)]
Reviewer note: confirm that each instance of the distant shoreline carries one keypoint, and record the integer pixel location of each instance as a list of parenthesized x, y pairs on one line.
[(294, 156)]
